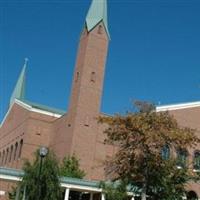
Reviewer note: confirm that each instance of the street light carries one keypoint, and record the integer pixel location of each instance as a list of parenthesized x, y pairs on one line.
[(42, 152)]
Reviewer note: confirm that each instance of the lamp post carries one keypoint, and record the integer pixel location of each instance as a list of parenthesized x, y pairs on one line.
[(42, 152)]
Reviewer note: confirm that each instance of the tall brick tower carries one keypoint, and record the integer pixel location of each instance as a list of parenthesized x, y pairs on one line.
[(90, 64), (87, 85)]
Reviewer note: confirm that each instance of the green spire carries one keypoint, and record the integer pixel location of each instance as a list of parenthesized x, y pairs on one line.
[(19, 91), (96, 14)]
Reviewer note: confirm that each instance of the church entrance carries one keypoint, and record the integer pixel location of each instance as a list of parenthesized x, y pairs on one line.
[(191, 195), (74, 195), (79, 195)]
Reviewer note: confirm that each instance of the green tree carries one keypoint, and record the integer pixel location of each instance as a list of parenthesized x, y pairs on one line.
[(49, 178), (115, 190), (48, 184), (140, 137), (70, 167)]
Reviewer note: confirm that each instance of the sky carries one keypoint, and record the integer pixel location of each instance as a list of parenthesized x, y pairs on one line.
[(154, 52)]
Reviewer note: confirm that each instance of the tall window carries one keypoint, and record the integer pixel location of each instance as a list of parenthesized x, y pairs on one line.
[(7, 153), (11, 153), (15, 152), (197, 160), (100, 29), (20, 149), (165, 152), (3, 157), (0, 158), (182, 155)]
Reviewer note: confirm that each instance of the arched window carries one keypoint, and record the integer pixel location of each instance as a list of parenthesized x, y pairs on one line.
[(7, 153), (93, 77), (20, 149), (165, 152), (11, 153), (197, 160), (182, 155), (191, 195), (15, 152), (3, 157)]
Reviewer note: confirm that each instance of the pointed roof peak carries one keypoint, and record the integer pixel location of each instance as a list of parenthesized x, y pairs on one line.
[(26, 62), (96, 14), (19, 90)]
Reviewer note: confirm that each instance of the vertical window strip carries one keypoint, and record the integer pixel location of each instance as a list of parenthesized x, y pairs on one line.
[(7, 154), (20, 149), (165, 152), (3, 157), (11, 153), (15, 152), (182, 157), (197, 160)]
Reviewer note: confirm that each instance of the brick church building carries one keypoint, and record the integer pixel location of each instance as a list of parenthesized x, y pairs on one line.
[(28, 125)]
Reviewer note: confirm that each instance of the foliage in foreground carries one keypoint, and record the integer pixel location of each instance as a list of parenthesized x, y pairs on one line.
[(49, 183), (115, 190), (70, 168), (140, 138), (45, 188)]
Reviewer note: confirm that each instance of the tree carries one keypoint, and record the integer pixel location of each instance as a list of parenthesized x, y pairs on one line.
[(115, 190), (140, 138), (48, 184), (70, 167)]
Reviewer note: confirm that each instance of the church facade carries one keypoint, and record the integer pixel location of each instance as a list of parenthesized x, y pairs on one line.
[(28, 125)]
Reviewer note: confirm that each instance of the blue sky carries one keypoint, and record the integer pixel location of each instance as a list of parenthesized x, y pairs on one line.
[(154, 53)]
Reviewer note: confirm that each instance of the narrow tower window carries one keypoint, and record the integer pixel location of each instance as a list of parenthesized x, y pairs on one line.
[(86, 121), (93, 77), (77, 76), (100, 29)]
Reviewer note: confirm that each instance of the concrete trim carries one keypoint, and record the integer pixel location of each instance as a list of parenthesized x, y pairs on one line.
[(178, 106), (10, 178), (30, 108), (84, 188), (2, 193)]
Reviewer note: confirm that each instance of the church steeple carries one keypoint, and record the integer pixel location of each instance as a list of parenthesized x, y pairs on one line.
[(96, 14), (19, 90)]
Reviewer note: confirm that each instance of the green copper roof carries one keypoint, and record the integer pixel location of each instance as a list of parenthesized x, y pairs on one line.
[(66, 180), (96, 14), (19, 91)]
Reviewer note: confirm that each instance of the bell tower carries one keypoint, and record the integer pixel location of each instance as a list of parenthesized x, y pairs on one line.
[(90, 64), (87, 86)]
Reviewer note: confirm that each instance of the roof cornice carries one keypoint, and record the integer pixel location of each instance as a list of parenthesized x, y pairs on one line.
[(178, 106), (31, 109)]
